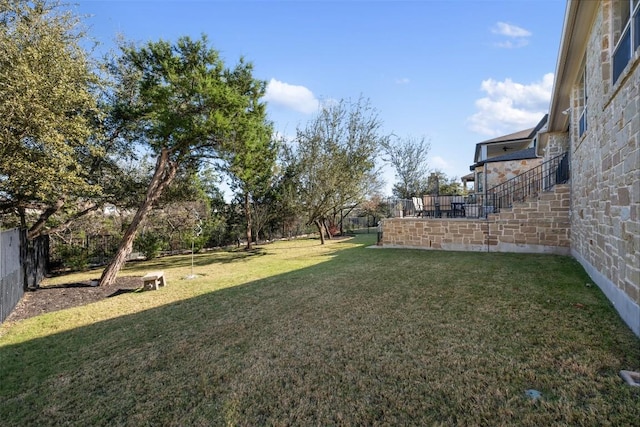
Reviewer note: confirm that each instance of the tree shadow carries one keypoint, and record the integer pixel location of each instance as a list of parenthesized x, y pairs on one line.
[(199, 260), (66, 286), (122, 291)]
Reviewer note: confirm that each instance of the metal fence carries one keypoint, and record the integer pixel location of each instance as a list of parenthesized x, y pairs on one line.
[(437, 207), (536, 180), (528, 184), (90, 250)]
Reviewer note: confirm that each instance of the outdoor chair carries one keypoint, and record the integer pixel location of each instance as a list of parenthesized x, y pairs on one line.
[(457, 206), (428, 206), (445, 206), (418, 206)]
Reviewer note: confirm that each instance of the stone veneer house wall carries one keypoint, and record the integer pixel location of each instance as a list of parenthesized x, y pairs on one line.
[(498, 172), (595, 114)]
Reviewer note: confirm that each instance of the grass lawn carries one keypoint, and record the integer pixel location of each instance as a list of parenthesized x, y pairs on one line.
[(296, 333)]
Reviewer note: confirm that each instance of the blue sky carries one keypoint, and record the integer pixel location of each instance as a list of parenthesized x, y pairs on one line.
[(456, 72)]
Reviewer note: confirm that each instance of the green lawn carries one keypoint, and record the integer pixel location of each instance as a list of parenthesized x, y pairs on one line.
[(296, 333)]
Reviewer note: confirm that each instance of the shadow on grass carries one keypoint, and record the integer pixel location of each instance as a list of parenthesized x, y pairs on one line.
[(199, 260), (124, 291), (366, 337), (65, 286)]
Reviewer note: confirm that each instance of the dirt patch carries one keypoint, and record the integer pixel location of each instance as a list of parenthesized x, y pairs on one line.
[(58, 297)]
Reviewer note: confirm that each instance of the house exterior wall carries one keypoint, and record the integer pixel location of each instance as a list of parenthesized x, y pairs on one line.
[(537, 226), (499, 172), (556, 143), (605, 174)]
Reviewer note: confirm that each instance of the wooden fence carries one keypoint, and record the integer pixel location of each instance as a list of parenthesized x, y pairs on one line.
[(23, 264), (11, 274)]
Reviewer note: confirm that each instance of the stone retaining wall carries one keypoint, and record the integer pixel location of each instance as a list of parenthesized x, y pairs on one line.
[(537, 226)]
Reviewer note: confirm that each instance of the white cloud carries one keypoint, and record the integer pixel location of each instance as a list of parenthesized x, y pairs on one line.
[(509, 30), (403, 81), (438, 163), (509, 106), (512, 44), (518, 37), (295, 97)]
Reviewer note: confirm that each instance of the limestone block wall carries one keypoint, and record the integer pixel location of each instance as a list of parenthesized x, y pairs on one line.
[(555, 143), (605, 175), (537, 226), (499, 172)]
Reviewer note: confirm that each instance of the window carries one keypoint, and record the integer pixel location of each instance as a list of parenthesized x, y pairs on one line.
[(479, 181), (582, 99), (636, 25), (626, 35)]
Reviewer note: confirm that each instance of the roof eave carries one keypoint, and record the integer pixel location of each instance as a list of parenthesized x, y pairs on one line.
[(572, 47)]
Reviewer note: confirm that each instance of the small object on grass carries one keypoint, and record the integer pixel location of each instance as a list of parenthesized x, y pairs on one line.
[(94, 282), (191, 276), (533, 394), (154, 280), (588, 285), (631, 378)]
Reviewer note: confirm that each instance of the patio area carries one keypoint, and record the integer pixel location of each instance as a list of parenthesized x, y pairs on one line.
[(437, 207), (537, 226)]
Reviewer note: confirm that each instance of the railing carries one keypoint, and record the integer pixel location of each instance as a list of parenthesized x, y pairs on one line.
[(530, 183), (429, 206), (398, 208)]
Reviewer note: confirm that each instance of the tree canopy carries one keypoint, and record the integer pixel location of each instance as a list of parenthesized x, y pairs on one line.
[(179, 101), (334, 159), (249, 155), (48, 107), (409, 158)]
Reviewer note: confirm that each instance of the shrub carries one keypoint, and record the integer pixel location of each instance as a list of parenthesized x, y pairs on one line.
[(150, 244), (74, 257)]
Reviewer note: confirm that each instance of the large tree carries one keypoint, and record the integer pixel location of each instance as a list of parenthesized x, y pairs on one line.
[(179, 101), (48, 112), (250, 154), (334, 159), (409, 158)]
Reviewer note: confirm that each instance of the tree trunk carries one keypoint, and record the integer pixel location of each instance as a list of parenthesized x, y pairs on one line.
[(36, 228), (247, 213), (320, 230), (164, 174), (65, 224), (326, 227), (23, 217)]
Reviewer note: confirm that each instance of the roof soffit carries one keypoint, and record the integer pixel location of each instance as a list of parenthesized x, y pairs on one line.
[(578, 21)]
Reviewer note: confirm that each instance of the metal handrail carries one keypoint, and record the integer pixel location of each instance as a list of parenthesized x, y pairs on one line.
[(517, 189)]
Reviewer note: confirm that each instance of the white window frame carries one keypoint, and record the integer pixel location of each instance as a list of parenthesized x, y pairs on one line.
[(629, 34)]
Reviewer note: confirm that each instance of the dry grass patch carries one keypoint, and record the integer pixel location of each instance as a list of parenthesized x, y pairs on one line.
[(299, 334)]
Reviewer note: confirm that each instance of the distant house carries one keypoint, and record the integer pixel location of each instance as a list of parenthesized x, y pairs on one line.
[(500, 159), (595, 115)]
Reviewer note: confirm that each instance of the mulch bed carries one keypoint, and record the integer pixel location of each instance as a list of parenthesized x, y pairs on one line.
[(58, 297)]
